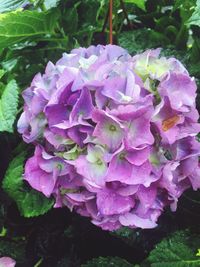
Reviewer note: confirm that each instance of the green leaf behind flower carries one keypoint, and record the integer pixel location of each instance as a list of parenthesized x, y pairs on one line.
[(8, 106), (179, 250), (107, 262)]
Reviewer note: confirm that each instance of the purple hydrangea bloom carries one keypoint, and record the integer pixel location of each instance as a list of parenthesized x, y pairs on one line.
[(114, 135), (7, 262)]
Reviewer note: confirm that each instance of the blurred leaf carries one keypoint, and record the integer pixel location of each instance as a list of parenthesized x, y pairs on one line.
[(8, 106), (8, 65), (67, 261), (195, 52), (17, 26), (30, 202), (126, 234), (71, 20), (177, 4), (138, 3), (10, 5), (107, 262), (93, 8), (2, 72), (179, 250), (15, 250), (51, 3), (195, 18)]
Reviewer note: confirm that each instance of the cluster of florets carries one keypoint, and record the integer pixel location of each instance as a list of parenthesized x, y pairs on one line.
[(114, 135)]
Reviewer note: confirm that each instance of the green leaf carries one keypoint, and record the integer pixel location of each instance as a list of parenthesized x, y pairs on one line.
[(30, 202), (195, 18), (9, 5), (179, 250), (2, 72), (182, 4), (71, 20), (18, 26), (8, 106), (107, 262), (138, 3), (127, 235), (13, 249), (8, 65), (141, 39)]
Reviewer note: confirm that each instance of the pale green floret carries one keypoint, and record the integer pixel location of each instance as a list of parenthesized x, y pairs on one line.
[(64, 191), (154, 160), (71, 154), (95, 154), (155, 67)]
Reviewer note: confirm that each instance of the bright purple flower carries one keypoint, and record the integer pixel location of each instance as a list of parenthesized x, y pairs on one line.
[(114, 135)]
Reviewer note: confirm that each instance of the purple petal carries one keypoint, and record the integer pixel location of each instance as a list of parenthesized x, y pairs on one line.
[(110, 203), (83, 106), (173, 85), (130, 219), (108, 130)]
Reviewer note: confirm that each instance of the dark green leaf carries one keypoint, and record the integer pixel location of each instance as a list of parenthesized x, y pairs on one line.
[(8, 106), (34, 204), (30, 202), (71, 20), (15, 250), (107, 262), (139, 40), (179, 250)]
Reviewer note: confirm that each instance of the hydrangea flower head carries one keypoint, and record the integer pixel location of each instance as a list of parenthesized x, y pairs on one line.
[(114, 135)]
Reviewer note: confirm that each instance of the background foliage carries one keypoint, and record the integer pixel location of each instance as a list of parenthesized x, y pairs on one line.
[(36, 31)]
